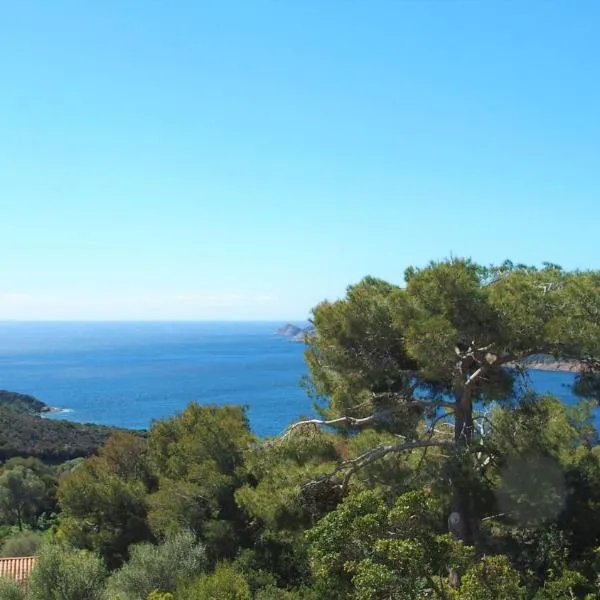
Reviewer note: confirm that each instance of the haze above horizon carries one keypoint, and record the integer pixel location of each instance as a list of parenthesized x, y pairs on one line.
[(245, 160)]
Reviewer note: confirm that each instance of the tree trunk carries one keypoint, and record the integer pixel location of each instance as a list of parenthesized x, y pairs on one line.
[(463, 418), (465, 524), (462, 522)]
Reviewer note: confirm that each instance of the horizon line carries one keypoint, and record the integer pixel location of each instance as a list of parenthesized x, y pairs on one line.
[(286, 320)]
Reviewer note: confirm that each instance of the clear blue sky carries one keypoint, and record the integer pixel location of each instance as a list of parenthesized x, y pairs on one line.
[(246, 159)]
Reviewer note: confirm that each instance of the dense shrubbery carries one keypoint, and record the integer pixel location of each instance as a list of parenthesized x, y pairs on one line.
[(408, 492), (10, 589), (158, 567), (283, 542)]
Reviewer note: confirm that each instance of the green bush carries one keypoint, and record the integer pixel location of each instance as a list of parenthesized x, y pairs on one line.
[(225, 583), (275, 593), (161, 596), (10, 590), (25, 543), (570, 584), (491, 579), (61, 573), (158, 568)]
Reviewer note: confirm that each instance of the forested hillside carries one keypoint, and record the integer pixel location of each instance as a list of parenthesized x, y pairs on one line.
[(22, 403), (433, 472), (24, 434)]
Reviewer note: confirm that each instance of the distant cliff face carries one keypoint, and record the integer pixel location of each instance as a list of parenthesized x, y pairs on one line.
[(294, 333)]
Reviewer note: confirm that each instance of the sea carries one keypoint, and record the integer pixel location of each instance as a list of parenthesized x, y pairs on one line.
[(128, 374)]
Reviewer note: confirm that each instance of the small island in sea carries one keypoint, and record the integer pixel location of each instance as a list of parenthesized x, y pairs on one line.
[(295, 333)]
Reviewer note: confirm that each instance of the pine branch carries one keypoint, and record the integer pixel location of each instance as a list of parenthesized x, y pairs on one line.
[(351, 466)]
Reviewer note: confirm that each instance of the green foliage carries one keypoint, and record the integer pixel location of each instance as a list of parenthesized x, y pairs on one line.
[(276, 558), (21, 495), (102, 511), (358, 346), (177, 505), (124, 454), (198, 458), (301, 593), (492, 578), (366, 549), (533, 443), (25, 543), (54, 441), (380, 337), (395, 473), (457, 335), (225, 583), (62, 573), (11, 590), (568, 585), (275, 471), (202, 441), (278, 510), (546, 478), (161, 596), (158, 568)]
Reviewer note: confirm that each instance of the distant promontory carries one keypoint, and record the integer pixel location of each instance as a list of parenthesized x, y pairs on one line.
[(24, 433), (295, 333), (23, 403)]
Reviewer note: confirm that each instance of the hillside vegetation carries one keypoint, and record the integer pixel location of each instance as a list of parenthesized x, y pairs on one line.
[(23, 403), (24, 434)]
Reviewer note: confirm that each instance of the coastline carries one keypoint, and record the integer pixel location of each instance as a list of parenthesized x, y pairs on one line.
[(53, 410), (551, 365)]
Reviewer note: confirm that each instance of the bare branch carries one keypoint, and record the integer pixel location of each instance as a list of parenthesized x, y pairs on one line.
[(485, 348), (475, 376), (493, 517), (355, 422), (378, 416), (352, 465)]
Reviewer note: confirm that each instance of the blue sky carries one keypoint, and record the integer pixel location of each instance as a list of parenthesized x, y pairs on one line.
[(244, 160)]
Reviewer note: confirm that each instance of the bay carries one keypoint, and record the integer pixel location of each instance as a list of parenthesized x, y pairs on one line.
[(129, 373)]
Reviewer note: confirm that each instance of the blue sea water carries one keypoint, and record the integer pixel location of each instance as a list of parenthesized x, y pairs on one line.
[(128, 374)]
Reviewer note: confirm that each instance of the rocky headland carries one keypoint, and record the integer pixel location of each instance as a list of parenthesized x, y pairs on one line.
[(24, 403), (295, 333)]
